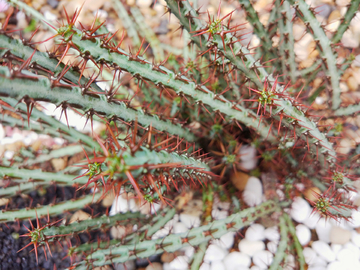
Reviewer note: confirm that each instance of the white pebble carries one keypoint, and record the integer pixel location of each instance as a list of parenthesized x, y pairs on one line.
[(335, 266), (251, 247), (272, 247), (310, 255), (303, 233), (226, 241), (190, 221), (339, 235), (215, 253), (255, 267), (355, 219), (255, 232), (323, 228), (189, 251), (180, 227), (218, 214), (324, 250), (218, 265), (317, 268), (272, 234), (312, 220), (120, 205), (252, 194), (235, 259), (179, 263), (2, 132), (355, 238), (247, 152), (263, 259), (354, 249), (300, 209), (205, 266), (336, 248)]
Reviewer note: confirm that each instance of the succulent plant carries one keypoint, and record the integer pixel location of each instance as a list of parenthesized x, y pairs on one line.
[(173, 120)]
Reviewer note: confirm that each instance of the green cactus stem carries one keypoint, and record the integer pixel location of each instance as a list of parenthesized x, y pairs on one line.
[(283, 244), (352, 8), (162, 77), (173, 242), (329, 59), (56, 209), (241, 58), (50, 125), (298, 247), (40, 88)]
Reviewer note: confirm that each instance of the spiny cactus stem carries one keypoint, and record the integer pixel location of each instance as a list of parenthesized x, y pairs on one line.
[(298, 247), (259, 75), (173, 242), (198, 258), (147, 230), (38, 176), (283, 244), (353, 7), (56, 209), (54, 125), (324, 44), (40, 88), (149, 34), (126, 21), (287, 37), (161, 76), (91, 223)]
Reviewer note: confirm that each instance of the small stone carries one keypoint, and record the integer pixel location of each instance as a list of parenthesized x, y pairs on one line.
[(352, 83), (324, 250), (2, 132), (272, 247), (180, 228), (253, 191), (345, 146), (226, 241), (309, 255), (247, 152), (255, 232), (128, 265), (272, 234), (235, 260), (310, 193), (4, 201), (214, 253), (118, 232), (355, 250), (346, 254), (154, 266), (312, 220), (336, 265), (79, 216), (239, 180), (205, 266), (108, 200), (355, 219), (300, 209), (355, 238), (336, 248), (263, 259), (189, 220), (250, 247), (167, 257), (323, 228), (303, 233), (339, 235), (59, 163), (179, 263), (217, 265)]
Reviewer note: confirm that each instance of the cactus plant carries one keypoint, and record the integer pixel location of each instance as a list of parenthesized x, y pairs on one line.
[(173, 123)]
